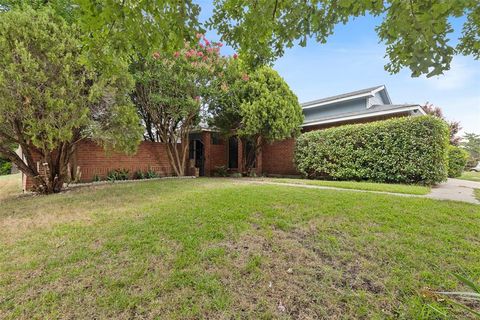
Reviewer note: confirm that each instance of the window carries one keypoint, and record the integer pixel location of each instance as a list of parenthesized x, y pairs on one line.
[(233, 152), (215, 138)]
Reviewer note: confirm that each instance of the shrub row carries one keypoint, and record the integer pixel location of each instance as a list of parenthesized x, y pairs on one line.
[(403, 150), (457, 160)]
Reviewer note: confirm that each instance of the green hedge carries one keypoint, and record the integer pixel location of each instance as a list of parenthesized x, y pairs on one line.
[(404, 150), (457, 160)]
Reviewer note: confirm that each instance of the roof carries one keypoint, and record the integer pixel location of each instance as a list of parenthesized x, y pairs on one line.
[(368, 92), (373, 111)]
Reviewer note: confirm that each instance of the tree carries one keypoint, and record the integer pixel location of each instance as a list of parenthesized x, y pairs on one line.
[(257, 108), (417, 33), (453, 126), (170, 92), (51, 98), (471, 143)]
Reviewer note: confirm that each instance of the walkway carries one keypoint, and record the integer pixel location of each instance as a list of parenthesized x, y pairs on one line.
[(453, 189)]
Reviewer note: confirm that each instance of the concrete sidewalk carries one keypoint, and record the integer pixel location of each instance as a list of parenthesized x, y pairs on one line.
[(452, 189), (455, 189)]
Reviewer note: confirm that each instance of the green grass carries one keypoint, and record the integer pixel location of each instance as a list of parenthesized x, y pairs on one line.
[(477, 194), (471, 176), (216, 248), (369, 186)]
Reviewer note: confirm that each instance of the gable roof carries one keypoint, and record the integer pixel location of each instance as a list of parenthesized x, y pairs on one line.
[(368, 92), (373, 111)]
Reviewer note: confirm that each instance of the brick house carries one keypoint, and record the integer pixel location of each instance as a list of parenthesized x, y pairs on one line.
[(208, 150)]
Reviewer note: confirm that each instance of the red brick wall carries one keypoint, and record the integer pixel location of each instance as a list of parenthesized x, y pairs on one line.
[(92, 159), (277, 157)]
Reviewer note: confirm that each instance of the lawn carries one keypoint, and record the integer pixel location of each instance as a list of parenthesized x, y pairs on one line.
[(221, 249), (369, 186), (471, 176)]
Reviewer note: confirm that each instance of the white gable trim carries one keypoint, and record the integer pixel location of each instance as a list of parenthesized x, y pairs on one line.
[(362, 95), (366, 115)]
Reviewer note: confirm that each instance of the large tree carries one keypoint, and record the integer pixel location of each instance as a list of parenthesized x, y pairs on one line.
[(418, 33), (51, 98), (471, 143), (258, 108), (170, 91)]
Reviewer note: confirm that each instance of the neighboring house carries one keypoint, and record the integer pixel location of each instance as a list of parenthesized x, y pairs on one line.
[(208, 150)]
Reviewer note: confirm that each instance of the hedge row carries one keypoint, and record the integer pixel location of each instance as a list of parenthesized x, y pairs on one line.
[(403, 150), (457, 160)]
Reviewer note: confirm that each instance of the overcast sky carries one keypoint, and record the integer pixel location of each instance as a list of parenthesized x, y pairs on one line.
[(353, 59)]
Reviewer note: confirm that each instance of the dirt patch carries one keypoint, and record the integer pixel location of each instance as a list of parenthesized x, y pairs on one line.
[(286, 275)]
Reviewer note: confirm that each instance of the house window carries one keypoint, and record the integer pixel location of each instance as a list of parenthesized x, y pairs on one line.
[(233, 152), (215, 138)]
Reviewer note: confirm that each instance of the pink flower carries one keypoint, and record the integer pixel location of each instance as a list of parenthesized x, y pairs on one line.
[(199, 54), (220, 44), (156, 55), (201, 45), (245, 77), (176, 54), (199, 35), (207, 43), (235, 56)]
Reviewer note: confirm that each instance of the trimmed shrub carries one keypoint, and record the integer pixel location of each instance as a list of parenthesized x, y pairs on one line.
[(402, 150), (457, 160)]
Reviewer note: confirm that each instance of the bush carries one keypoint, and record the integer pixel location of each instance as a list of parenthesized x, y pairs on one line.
[(221, 171), (5, 167), (118, 174), (457, 160), (404, 150)]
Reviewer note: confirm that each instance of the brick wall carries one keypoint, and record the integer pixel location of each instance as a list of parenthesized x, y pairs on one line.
[(277, 157), (91, 159)]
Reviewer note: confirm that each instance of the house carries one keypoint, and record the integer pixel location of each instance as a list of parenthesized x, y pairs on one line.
[(208, 150)]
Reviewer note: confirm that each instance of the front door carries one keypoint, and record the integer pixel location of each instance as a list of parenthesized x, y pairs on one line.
[(197, 153)]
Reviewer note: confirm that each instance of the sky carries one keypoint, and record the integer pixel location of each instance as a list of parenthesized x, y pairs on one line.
[(353, 59)]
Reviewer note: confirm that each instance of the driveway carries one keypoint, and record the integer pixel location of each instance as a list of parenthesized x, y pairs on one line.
[(455, 189)]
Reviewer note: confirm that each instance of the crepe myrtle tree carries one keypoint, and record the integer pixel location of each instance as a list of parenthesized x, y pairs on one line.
[(172, 88), (257, 107), (51, 98)]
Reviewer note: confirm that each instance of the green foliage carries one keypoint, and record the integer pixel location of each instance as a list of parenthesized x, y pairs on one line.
[(96, 178), (471, 143), (51, 96), (406, 150), (257, 108), (417, 34), (457, 159), (5, 167), (118, 175), (149, 174), (221, 171)]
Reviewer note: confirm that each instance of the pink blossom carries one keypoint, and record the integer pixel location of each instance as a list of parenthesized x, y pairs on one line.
[(207, 43), (201, 45), (156, 55), (176, 54), (199, 54), (199, 35), (245, 77), (220, 44), (235, 56)]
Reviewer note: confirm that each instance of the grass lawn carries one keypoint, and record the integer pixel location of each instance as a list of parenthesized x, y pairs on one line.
[(477, 194), (370, 186), (470, 175), (219, 249), (10, 185)]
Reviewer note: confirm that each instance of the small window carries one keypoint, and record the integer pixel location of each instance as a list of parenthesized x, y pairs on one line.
[(215, 138)]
